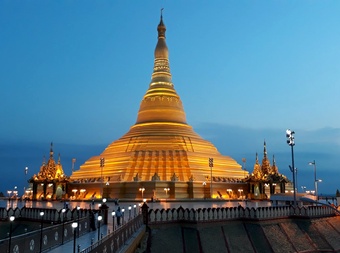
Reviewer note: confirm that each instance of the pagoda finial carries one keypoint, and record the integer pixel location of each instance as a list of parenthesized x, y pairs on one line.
[(51, 150), (162, 14), (274, 163), (264, 149), (44, 161), (59, 158), (257, 158)]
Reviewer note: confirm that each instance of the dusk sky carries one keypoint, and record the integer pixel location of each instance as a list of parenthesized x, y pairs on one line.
[(74, 73)]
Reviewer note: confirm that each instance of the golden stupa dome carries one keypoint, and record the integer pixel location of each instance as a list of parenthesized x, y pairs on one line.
[(161, 145)]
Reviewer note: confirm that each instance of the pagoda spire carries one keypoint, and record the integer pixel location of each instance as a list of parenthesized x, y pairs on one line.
[(51, 150), (161, 71), (264, 150), (161, 102)]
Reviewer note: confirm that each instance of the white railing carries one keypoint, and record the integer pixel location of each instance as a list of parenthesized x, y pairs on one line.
[(233, 213)]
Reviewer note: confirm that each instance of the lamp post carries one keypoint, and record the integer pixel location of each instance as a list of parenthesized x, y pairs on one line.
[(315, 180), (62, 234), (26, 171), (41, 228), (129, 212), (211, 165), (11, 219), (142, 190), (74, 226), (102, 164), (107, 189), (134, 208), (99, 220), (291, 143), (78, 208), (166, 191), (204, 184), (123, 210), (113, 220), (240, 191)]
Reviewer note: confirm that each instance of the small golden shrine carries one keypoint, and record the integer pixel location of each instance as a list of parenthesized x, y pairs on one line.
[(50, 182), (265, 179)]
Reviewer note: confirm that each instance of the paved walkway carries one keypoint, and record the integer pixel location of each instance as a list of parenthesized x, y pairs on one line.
[(84, 241)]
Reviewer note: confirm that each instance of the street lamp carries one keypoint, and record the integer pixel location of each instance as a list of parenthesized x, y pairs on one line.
[(11, 219), (142, 190), (74, 226), (123, 210), (107, 189), (315, 180), (166, 191), (102, 164), (211, 165), (41, 229), (113, 220), (291, 143), (78, 208), (26, 171), (99, 220), (134, 208), (240, 191), (130, 212), (62, 234)]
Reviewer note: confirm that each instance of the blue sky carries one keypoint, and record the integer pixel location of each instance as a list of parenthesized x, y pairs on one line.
[(74, 72)]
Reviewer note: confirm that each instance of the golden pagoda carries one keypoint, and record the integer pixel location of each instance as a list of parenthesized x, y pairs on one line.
[(265, 179), (50, 182), (161, 156)]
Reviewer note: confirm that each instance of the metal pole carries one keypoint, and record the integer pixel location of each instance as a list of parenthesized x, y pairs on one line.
[(211, 165), (293, 169), (74, 239), (315, 182), (41, 230)]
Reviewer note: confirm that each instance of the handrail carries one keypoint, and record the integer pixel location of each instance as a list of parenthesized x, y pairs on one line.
[(121, 235)]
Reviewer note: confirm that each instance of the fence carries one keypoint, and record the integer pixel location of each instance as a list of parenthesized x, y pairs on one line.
[(232, 213), (48, 237), (118, 238)]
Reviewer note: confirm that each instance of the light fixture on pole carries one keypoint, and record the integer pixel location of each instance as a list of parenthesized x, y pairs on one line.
[(99, 220), (113, 220), (134, 208), (166, 191), (102, 164), (78, 208), (11, 219), (62, 234), (123, 210), (291, 143), (74, 226), (26, 171), (130, 212), (315, 180), (142, 190), (41, 229), (211, 165)]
